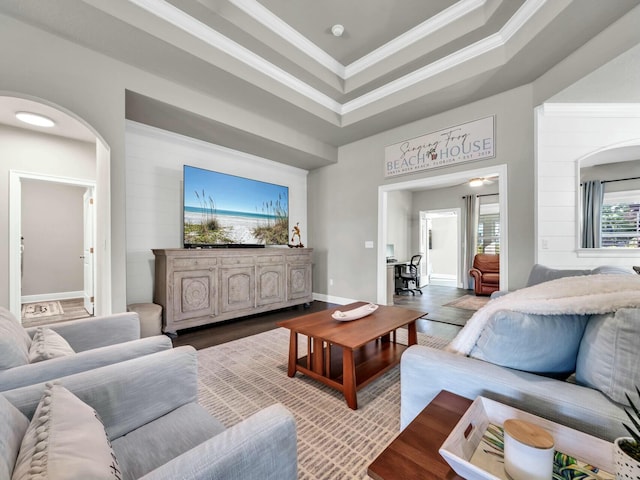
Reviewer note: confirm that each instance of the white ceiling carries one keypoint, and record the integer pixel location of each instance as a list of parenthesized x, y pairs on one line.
[(398, 60)]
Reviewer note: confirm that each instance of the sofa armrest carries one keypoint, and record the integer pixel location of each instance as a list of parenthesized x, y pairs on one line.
[(93, 332), (426, 371), (128, 394), (46, 370), (261, 447)]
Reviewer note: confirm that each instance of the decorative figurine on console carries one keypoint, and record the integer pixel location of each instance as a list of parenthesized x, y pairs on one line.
[(296, 233)]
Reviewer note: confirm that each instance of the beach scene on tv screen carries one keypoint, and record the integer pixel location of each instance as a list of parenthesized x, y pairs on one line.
[(227, 209)]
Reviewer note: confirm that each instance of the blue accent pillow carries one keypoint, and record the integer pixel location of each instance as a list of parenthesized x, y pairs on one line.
[(542, 344), (608, 357)]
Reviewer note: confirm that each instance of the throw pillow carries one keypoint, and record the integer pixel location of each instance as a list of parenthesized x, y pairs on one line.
[(608, 355), (65, 440), (48, 344), (543, 344), (14, 425), (14, 341)]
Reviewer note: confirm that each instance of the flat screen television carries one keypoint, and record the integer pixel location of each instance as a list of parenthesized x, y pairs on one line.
[(222, 210)]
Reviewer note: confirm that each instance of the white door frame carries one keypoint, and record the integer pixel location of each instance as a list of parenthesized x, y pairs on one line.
[(15, 227), (457, 211), (441, 181)]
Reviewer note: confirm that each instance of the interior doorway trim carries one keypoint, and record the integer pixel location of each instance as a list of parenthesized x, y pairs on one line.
[(457, 213), (15, 228), (441, 181)]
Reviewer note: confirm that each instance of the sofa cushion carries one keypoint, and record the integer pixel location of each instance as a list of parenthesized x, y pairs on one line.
[(187, 426), (543, 344), (492, 278), (540, 273), (65, 440), (14, 425), (608, 355), (47, 344), (14, 341)]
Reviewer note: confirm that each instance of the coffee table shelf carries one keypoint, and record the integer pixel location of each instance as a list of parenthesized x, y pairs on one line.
[(371, 361)]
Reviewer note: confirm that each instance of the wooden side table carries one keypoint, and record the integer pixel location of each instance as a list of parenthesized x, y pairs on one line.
[(414, 452)]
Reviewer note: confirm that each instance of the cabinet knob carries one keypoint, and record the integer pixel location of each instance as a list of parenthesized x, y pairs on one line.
[(211, 269)]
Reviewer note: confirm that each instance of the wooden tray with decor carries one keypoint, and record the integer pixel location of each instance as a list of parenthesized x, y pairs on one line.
[(474, 449)]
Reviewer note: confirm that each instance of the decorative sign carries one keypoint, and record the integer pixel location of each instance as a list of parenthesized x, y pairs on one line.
[(450, 146)]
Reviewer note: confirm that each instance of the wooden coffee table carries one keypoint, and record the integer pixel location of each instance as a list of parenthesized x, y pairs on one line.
[(348, 355), (414, 452)]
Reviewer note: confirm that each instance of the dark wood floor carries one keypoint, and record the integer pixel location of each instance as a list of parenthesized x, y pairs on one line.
[(443, 321)]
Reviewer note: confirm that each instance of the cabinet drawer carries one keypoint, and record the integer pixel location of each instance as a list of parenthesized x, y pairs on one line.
[(298, 258), (194, 263), (248, 260), (269, 259)]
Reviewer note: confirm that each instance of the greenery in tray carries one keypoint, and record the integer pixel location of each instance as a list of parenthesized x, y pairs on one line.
[(632, 447), (565, 467)]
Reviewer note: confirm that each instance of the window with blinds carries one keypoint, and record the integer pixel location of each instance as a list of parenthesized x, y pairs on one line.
[(621, 219), (489, 229)]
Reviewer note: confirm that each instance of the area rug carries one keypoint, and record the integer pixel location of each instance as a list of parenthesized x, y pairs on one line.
[(468, 302), (239, 378), (42, 309)]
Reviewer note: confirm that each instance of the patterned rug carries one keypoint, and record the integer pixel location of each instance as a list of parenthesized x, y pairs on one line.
[(468, 302), (42, 309), (239, 378)]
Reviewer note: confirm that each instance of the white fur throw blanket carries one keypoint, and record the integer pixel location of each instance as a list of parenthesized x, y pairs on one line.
[(583, 295)]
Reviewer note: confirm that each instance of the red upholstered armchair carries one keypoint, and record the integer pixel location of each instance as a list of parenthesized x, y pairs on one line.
[(486, 273)]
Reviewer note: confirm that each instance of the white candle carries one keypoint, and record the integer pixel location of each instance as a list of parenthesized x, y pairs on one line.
[(528, 451)]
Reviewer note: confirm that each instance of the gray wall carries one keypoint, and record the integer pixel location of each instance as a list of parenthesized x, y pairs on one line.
[(342, 198), (42, 66), (52, 227), (340, 244)]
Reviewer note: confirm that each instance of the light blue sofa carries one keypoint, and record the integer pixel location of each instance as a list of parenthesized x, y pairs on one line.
[(602, 349), (97, 341), (158, 431)]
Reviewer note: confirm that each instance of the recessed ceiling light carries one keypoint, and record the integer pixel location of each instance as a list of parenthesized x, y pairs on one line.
[(337, 30), (35, 119), (475, 182)]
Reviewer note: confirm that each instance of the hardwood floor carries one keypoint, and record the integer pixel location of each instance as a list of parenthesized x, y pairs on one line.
[(432, 300), (441, 321)]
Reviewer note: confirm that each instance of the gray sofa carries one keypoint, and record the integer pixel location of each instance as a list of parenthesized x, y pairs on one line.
[(526, 361), (96, 341), (158, 431)]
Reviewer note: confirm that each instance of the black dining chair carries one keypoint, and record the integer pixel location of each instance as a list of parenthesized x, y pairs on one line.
[(411, 274)]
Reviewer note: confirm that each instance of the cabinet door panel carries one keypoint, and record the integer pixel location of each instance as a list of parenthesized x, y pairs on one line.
[(270, 282), (194, 294), (299, 281), (237, 288)]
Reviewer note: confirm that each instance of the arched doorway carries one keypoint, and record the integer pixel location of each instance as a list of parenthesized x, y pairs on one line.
[(22, 160)]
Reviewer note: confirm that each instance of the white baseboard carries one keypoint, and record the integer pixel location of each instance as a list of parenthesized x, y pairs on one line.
[(48, 297), (332, 299)]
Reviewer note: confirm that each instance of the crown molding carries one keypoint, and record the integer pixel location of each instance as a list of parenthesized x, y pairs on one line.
[(274, 23), (625, 110), (176, 17), (419, 32), (190, 25)]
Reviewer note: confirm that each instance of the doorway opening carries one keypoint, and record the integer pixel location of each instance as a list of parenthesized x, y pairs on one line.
[(440, 240), (57, 232), (30, 158), (498, 172)]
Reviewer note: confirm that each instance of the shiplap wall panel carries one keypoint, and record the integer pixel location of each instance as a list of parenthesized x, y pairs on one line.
[(565, 135), (154, 164)]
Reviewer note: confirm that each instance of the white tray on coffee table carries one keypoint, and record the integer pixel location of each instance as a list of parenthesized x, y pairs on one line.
[(461, 448)]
